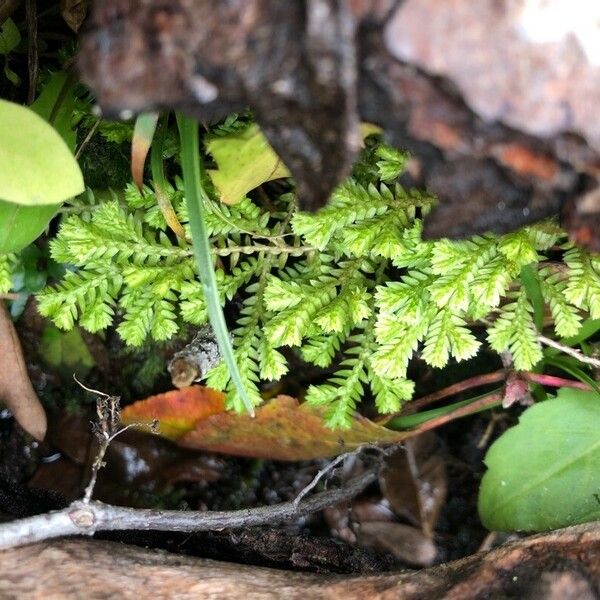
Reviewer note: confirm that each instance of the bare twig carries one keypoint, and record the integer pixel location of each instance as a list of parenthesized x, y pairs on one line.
[(32, 52), (383, 451), (81, 518), (108, 427), (87, 138), (588, 360)]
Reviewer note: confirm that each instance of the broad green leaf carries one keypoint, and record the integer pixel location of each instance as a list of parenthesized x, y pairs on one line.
[(56, 104), (245, 160), (66, 350), (20, 225), (36, 165), (10, 36), (544, 473)]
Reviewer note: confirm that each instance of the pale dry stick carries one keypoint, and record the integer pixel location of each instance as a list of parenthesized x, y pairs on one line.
[(107, 429), (81, 518), (588, 360), (87, 138), (332, 464)]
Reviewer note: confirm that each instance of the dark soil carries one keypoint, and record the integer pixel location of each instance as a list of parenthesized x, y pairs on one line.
[(147, 471)]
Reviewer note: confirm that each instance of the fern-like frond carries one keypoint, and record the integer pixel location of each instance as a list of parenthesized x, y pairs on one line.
[(390, 393), (456, 265), (448, 336), (391, 163), (7, 263), (349, 203), (567, 319), (583, 283), (514, 330), (89, 295)]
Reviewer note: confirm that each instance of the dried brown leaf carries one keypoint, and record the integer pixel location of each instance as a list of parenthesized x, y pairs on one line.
[(283, 429), (414, 481), (74, 12), (406, 543), (16, 390)]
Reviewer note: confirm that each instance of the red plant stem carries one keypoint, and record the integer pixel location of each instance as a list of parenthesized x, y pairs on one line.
[(463, 411), (451, 390), (477, 381), (552, 381)]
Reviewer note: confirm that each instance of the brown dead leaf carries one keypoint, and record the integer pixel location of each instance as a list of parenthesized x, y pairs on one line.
[(406, 543), (413, 480), (283, 429), (74, 12), (16, 390)]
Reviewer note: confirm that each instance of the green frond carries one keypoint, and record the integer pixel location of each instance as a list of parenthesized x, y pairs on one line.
[(397, 342), (88, 295), (349, 308), (491, 283), (514, 330), (390, 394), (112, 234), (545, 234), (456, 265), (567, 319), (146, 314), (341, 393), (320, 349), (273, 364), (349, 203), (353, 286), (407, 299), (583, 283), (448, 336), (244, 216), (192, 304), (391, 163), (520, 247), (7, 263)]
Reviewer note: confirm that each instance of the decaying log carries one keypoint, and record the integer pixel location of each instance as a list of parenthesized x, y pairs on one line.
[(497, 101), (561, 565)]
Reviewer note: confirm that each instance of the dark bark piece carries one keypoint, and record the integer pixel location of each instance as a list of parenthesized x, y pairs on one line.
[(503, 125), (563, 564), (210, 58)]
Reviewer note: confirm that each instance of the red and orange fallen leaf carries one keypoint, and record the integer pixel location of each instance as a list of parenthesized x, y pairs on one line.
[(283, 429)]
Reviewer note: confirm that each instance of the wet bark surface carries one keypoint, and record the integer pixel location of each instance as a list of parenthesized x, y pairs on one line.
[(561, 565), (502, 122)]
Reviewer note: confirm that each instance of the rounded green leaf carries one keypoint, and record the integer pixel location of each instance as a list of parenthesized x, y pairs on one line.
[(36, 166), (545, 472), (20, 225), (10, 36)]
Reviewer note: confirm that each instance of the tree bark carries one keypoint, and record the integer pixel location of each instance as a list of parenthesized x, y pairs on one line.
[(561, 565)]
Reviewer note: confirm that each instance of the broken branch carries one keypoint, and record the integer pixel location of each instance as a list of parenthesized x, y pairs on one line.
[(81, 518)]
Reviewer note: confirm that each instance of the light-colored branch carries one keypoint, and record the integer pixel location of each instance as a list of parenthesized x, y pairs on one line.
[(81, 518), (570, 351), (90, 134)]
